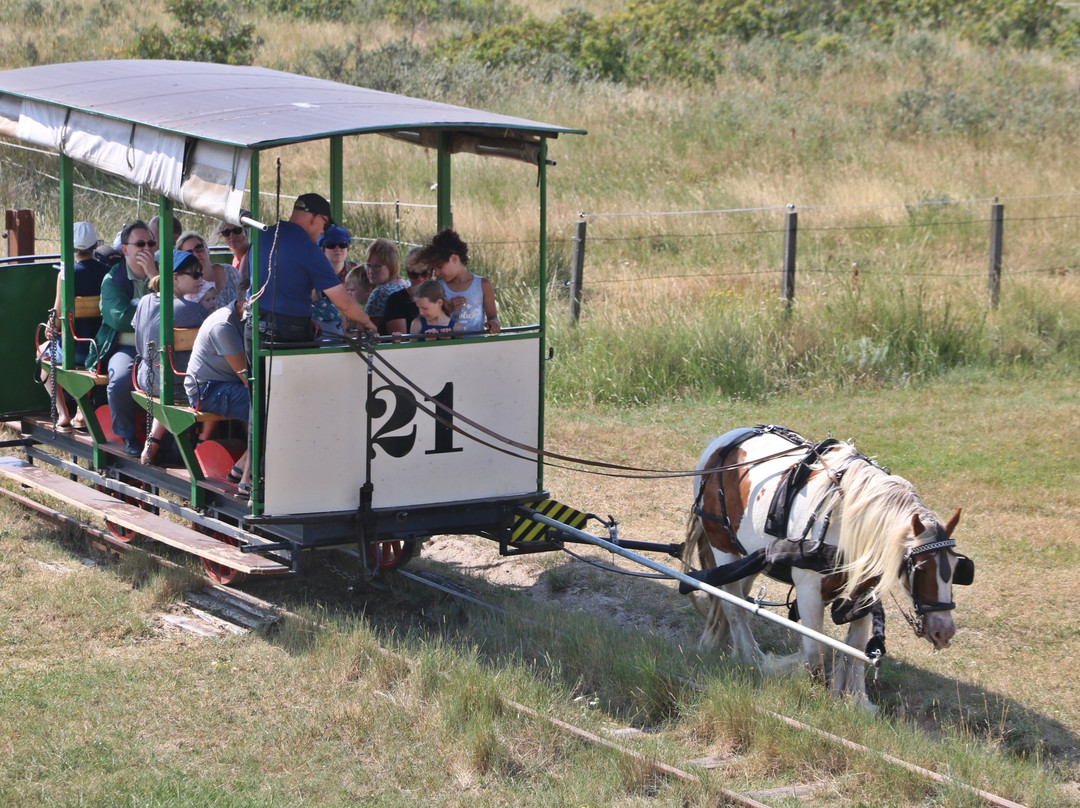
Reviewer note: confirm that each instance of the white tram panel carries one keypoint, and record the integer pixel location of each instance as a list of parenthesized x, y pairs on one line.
[(317, 426)]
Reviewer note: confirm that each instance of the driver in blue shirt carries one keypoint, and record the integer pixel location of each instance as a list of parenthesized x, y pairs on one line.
[(291, 266)]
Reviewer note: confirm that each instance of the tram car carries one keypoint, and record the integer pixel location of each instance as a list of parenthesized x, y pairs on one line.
[(362, 441)]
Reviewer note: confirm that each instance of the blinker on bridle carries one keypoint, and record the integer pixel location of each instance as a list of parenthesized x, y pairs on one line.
[(963, 575)]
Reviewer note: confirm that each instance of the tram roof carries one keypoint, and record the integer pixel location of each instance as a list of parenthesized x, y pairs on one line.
[(250, 107), (188, 130)]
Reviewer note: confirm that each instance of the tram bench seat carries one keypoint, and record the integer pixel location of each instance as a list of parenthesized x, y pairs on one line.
[(87, 306), (179, 409), (183, 340), (99, 378)]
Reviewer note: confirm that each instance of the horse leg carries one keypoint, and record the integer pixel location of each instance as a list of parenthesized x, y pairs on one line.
[(812, 616), (717, 632), (849, 677), (743, 641), (698, 551)]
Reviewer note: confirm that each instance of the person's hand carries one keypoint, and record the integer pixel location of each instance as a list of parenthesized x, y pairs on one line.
[(457, 302), (492, 325), (144, 262)]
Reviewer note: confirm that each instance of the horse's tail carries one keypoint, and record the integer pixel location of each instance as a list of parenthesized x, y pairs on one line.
[(697, 554)]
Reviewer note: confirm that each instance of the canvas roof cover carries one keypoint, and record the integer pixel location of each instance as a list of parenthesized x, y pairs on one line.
[(187, 129)]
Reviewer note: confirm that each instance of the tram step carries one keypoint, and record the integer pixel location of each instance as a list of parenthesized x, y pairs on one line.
[(134, 518)]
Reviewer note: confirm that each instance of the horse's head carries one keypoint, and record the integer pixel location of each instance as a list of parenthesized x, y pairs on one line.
[(930, 569)]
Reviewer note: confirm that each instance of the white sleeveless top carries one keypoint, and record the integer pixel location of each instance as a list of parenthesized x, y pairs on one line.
[(471, 315)]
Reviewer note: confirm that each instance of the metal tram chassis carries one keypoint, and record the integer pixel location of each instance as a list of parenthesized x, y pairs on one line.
[(284, 537)]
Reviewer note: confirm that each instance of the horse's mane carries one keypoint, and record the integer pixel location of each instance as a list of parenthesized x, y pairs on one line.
[(875, 523)]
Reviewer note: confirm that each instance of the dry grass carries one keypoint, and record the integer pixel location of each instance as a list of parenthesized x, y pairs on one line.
[(83, 656)]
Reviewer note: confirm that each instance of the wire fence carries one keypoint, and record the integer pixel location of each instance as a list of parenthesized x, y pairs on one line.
[(972, 242), (783, 249)]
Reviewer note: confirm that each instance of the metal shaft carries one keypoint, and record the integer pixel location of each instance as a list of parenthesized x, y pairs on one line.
[(707, 588)]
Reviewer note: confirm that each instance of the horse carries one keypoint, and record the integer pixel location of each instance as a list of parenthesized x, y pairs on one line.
[(836, 526)]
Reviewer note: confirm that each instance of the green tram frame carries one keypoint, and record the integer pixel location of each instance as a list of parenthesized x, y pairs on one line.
[(197, 141)]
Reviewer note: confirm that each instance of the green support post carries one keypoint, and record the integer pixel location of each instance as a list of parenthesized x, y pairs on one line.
[(165, 265), (445, 216), (255, 371), (67, 258), (337, 184), (542, 182)]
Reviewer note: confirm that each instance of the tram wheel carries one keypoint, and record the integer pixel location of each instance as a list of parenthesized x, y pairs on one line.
[(220, 573), (119, 532), (389, 555)]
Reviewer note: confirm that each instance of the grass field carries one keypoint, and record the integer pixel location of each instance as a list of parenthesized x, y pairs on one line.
[(101, 705), (892, 152)]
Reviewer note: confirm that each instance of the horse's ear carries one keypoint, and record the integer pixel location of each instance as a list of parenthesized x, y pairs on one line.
[(950, 526), (916, 525)]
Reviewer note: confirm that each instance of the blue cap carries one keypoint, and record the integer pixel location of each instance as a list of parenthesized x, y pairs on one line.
[(335, 234), (179, 257)]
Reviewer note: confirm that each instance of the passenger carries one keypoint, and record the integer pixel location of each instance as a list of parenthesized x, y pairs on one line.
[(114, 343), (472, 296), (187, 272), (435, 310), (224, 277), (384, 271), (155, 228), (89, 273), (357, 285), (217, 380), (299, 267), (236, 239), (335, 244), (400, 308)]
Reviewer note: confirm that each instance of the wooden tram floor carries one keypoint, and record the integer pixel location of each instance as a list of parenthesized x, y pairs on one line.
[(132, 517)]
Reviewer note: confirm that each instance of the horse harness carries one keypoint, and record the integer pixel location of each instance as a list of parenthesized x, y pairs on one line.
[(786, 552)]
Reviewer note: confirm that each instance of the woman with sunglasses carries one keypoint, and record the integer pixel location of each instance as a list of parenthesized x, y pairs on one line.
[(236, 239), (224, 277), (335, 242), (401, 309), (187, 276)]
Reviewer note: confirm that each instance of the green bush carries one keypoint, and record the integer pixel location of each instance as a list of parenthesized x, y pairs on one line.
[(681, 40), (207, 31)]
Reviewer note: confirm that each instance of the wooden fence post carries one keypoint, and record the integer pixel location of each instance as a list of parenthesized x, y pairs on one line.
[(791, 230), (577, 271), (19, 232), (997, 229)]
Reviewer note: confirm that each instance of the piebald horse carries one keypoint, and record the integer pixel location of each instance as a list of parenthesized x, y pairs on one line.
[(835, 525)]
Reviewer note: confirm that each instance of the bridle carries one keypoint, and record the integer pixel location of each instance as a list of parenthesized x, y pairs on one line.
[(962, 575)]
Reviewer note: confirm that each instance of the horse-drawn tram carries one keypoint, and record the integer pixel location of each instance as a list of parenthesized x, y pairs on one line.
[(360, 441)]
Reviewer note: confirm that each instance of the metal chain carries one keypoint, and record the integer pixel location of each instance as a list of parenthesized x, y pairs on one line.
[(150, 380), (54, 346)]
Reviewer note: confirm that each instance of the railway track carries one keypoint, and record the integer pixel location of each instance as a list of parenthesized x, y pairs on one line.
[(234, 611)]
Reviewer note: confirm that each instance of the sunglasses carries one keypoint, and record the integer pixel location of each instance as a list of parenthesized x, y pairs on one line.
[(140, 244), (420, 274), (231, 231), (198, 248), (196, 274), (338, 245)]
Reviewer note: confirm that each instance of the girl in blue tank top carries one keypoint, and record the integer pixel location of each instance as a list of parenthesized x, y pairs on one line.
[(434, 319)]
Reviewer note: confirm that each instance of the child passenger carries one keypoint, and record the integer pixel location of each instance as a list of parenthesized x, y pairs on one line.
[(472, 297), (435, 312)]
